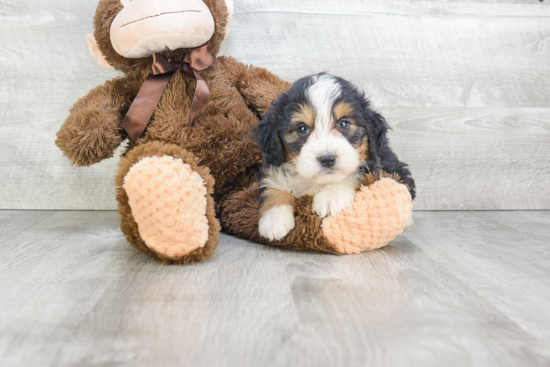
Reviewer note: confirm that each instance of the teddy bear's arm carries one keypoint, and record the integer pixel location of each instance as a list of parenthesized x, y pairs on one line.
[(258, 86), (93, 130)]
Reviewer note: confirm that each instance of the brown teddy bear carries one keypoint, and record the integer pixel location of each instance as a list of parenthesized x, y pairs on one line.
[(188, 116)]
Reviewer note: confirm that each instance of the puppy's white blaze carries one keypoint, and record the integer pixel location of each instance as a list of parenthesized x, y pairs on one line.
[(332, 199), (277, 222), (322, 94), (347, 159)]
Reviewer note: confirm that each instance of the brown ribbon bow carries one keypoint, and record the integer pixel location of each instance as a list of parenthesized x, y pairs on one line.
[(149, 95)]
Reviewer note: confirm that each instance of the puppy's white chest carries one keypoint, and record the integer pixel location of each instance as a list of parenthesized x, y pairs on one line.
[(301, 187)]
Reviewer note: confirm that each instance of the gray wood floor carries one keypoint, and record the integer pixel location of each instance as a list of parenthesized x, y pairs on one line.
[(457, 289)]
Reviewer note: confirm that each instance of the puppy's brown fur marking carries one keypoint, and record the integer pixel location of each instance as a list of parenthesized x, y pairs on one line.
[(292, 137), (291, 158), (273, 198), (342, 109), (364, 149), (305, 114), (287, 154)]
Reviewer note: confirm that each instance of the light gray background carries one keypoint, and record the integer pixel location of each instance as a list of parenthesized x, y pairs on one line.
[(465, 85)]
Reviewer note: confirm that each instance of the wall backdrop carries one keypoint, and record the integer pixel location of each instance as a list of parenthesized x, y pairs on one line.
[(465, 85)]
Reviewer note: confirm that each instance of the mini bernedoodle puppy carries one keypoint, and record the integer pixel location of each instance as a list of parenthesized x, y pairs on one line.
[(319, 139)]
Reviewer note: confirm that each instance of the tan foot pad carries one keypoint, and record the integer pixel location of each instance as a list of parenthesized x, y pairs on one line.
[(379, 214), (168, 201)]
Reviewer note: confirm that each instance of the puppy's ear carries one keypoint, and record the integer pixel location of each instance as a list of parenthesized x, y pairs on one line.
[(378, 139), (267, 137)]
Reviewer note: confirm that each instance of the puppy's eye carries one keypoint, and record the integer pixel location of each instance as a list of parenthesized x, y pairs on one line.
[(343, 125), (303, 130)]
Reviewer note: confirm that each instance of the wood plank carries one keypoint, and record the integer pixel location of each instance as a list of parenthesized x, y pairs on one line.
[(47, 68), (459, 288), (467, 159), (497, 254), (405, 53), (14, 222), (475, 158), (482, 65)]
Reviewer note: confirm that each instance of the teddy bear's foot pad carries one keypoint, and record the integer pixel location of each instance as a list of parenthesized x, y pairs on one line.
[(379, 214), (168, 202)]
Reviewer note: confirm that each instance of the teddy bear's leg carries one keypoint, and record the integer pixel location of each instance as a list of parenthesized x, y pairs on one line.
[(380, 213), (165, 203), (240, 215)]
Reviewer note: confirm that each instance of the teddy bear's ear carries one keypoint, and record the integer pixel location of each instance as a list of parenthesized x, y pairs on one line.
[(231, 8), (96, 52)]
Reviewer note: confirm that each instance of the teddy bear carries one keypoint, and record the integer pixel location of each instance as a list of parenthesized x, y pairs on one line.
[(190, 165)]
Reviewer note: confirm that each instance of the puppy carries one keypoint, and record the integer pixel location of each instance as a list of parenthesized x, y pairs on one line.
[(319, 139)]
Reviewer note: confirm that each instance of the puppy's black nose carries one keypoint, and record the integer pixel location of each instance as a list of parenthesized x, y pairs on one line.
[(327, 160)]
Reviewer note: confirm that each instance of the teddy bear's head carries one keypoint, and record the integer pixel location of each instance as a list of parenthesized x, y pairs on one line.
[(129, 32)]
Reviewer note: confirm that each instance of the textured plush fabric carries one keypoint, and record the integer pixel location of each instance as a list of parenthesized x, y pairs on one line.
[(128, 223), (382, 209), (379, 214), (168, 200)]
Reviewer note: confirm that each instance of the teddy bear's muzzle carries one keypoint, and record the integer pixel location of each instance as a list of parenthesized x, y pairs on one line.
[(145, 27)]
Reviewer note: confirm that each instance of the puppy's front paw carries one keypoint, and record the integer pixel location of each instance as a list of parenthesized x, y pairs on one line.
[(277, 222), (332, 202)]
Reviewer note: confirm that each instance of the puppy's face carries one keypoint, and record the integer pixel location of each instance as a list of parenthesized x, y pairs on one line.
[(322, 129)]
